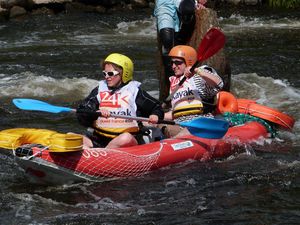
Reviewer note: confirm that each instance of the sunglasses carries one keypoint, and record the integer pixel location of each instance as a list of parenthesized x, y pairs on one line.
[(176, 62), (110, 74)]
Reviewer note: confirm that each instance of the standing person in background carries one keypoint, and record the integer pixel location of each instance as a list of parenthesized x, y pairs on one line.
[(117, 94), (175, 24), (196, 97)]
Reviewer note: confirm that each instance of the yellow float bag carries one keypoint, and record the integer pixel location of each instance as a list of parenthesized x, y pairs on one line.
[(56, 142)]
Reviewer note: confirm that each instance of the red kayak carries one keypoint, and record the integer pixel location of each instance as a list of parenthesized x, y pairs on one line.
[(101, 164)]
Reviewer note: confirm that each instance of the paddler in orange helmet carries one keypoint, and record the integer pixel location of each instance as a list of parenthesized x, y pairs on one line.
[(117, 94), (195, 98)]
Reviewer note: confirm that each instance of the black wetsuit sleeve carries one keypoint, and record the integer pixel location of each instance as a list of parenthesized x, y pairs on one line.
[(147, 105), (90, 103)]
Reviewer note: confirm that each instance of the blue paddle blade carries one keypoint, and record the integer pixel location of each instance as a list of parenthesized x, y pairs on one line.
[(36, 105), (207, 127)]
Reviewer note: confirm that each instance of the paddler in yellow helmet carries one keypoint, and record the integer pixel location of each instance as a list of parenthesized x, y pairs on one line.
[(117, 94), (195, 98)]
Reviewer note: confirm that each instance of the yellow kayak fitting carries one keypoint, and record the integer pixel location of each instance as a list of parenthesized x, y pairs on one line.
[(54, 141)]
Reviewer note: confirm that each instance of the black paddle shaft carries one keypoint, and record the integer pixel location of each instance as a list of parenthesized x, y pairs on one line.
[(125, 117)]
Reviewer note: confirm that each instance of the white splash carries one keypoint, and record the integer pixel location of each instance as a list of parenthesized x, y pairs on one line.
[(28, 84), (237, 22), (146, 27)]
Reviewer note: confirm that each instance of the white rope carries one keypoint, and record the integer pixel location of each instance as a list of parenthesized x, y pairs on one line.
[(37, 153)]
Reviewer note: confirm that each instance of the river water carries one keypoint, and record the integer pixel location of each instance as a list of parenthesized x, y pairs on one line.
[(56, 59)]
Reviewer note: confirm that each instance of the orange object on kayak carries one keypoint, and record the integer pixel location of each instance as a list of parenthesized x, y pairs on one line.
[(226, 103), (254, 109)]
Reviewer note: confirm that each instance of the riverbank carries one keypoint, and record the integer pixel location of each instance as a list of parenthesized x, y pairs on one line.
[(20, 9)]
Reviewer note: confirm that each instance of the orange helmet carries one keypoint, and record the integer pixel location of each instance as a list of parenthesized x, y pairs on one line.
[(188, 53)]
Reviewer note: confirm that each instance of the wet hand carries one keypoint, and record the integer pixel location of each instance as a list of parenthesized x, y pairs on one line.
[(187, 72), (202, 72), (198, 71), (153, 119), (200, 4), (104, 113)]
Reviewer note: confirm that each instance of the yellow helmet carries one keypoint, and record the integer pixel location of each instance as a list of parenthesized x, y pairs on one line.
[(188, 53), (124, 62)]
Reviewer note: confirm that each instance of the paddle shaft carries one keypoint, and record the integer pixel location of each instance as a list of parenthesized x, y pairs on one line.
[(200, 127), (127, 117)]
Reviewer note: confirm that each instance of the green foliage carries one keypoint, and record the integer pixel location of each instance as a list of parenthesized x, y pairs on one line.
[(284, 3)]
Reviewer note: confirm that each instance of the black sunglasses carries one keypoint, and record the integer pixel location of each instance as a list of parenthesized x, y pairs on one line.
[(176, 62)]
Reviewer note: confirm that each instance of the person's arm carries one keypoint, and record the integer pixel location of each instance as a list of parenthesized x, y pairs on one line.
[(147, 105), (90, 103), (208, 83), (210, 76)]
